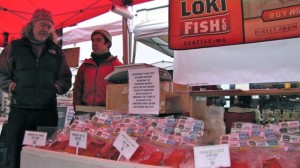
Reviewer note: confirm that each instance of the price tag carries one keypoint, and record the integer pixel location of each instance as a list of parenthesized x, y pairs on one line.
[(78, 139), (35, 138), (125, 145), (212, 156)]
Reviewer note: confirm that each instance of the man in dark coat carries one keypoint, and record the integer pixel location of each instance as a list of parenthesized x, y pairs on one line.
[(34, 70)]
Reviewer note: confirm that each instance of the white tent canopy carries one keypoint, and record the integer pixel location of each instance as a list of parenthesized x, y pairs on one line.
[(152, 29), (150, 32), (84, 34), (155, 35)]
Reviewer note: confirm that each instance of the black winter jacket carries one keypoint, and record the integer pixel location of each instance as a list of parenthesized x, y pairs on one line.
[(37, 79)]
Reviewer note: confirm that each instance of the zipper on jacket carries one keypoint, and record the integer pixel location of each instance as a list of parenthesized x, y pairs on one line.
[(37, 80), (95, 85)]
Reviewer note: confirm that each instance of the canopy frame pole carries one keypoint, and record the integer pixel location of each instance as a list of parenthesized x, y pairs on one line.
[(125, 41), (134, 51)]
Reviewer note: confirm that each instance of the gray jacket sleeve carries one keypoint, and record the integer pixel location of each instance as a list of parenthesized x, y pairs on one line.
[(6, 68)]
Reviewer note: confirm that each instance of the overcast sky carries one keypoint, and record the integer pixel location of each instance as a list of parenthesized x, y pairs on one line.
[(144, 53)]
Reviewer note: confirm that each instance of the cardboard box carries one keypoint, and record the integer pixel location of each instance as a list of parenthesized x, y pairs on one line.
[(171, 100)]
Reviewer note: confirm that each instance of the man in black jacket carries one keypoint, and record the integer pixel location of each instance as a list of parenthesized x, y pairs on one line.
[(33, 69)]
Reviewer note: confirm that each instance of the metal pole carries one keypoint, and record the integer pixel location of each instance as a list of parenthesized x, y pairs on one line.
[(134, 51), (125, 41)]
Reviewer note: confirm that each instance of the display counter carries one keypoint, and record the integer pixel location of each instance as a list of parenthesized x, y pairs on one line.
[(40, 158), (276, 98)]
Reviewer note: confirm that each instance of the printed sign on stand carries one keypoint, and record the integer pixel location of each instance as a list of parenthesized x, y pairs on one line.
[(34, 138), (125, 145), (78, 139), (212, 156), (144, 90)]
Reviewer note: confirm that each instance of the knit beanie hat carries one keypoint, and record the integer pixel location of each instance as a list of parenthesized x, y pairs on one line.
[(41, 14), (104, 33)]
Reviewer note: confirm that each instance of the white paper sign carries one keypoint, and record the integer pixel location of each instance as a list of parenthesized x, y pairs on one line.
[(257, 62), (78, 139), (212, 156), (144, 91), (35, 138), (125, 145), (69, 115)]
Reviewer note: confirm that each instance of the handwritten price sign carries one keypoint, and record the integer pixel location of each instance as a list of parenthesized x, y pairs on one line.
[(78, 139), (125, 145), (34, 138), (212, 156)]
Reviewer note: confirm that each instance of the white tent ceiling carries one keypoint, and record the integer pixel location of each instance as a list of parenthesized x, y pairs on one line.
[(155, 35), (84, 34)]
